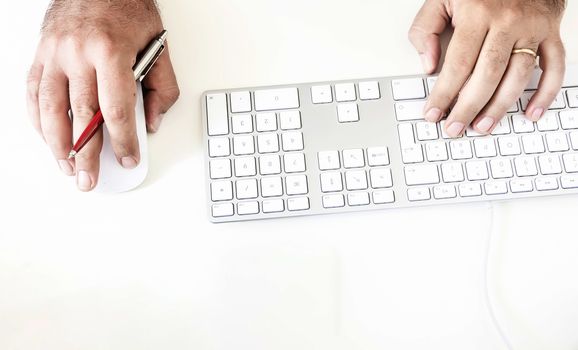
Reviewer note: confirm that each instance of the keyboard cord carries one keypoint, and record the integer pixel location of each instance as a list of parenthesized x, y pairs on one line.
[(485, 278)]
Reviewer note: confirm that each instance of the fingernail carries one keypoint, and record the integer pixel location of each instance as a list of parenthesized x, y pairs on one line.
[(537, 114), (485, 124), (455, 129), (128, 162), (83, 181), (66, 167), (433, 115), (426, 63), (156, 123)]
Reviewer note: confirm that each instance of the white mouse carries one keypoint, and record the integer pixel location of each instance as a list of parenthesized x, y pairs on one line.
[(113, 177)]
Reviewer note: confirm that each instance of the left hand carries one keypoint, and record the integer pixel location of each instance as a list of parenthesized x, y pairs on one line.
[(480, 73)]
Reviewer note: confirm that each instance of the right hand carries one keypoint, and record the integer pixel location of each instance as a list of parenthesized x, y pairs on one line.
[(84, 62)]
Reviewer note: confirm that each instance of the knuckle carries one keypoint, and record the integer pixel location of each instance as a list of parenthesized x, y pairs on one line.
[(172, 94)]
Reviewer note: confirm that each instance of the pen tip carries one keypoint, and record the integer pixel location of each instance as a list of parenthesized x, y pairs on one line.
[(72, 154), (163, 35)]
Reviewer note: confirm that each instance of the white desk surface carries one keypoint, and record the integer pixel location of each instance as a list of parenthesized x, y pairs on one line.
[(152, 273)]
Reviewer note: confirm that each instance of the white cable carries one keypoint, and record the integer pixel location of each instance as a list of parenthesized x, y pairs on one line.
[(485, 287)]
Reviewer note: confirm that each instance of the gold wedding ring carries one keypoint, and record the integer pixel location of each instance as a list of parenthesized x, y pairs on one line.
[(526, 51)]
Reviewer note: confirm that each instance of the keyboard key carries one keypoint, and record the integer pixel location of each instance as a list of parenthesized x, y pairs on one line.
[(296, 184), (495, 187), (248, 208), (574, 139), (470, 189), (377, 156), (470, 132), (444, 192), (570, 162), (294, 162), (436, 151), (477, 170), (410, 110), (353, 158), (240, 102), (502, 127), (347, 112), (525, 166), (533, 144), (522, 124), (328, 160), (515, 108), (268, 100), (383, 197), (452, 172), (268, 143), (266, 122), (546, 184), (569, 119), (416, 194), (355, 180), (217, 117), (509, 146), (569, 181), (221, 191), (427, 131), (572, 95), (273, 206), (431, 82), (219, 147), (557, 104), (333, 201), (357, 199), (521, 185), (408, 89), (242, 123), (557, 142), (243, 145), (271, 187), (270, 165), (222, 210), (425, 174), (411, 152), (246, 189), (369, 90), (220, 168), (485, 147), (321, 94), (380, 178), (331, 182), (290, 120), (292, 141), (345, 92), (245, 166), (461, 149), (550, 164), (501, 168), (548, 122), (298, 203)]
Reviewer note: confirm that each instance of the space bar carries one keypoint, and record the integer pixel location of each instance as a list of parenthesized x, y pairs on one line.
[(268, 100)]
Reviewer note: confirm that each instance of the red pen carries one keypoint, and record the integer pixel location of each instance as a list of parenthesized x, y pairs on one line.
[(140, 70)]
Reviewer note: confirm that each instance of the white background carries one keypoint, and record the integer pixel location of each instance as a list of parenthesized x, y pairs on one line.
[(146, 270)]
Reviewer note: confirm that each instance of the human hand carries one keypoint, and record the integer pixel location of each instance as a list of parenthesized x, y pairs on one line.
[(84, 61), (480, 73)]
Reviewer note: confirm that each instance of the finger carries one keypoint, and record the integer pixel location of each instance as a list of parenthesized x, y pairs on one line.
[(461, 57), (487, 75), (54, 120), (516, 79), (162, 91), (424, 33), (553, 64), (84, 104), (33, 85), (117, 99)]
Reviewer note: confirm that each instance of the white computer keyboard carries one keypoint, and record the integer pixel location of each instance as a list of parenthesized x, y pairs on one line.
[(358, 145)]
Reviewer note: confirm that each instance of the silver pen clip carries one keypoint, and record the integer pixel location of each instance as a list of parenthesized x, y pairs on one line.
[(152, 63)]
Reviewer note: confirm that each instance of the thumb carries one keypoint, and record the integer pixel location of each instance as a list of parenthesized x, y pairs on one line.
[(161, 91), (424, 33)]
